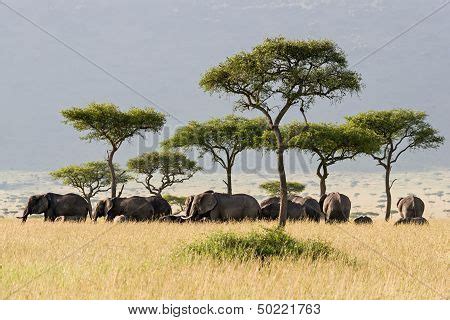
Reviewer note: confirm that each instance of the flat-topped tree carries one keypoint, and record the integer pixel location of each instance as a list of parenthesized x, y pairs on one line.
[(90, 178), (222, 138), (280, 74), (272, 188), (106, 122), (399, 130), (330, 143), (171, 167)]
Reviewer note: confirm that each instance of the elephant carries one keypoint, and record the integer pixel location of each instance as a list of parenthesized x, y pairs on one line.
[(69, 206), (336, 207), (410, 207), (179, 217), (363, 220), (120, 219), (417, 220), (270, 209), (312, 207), (215, 206), (68, 219), (134, 208)]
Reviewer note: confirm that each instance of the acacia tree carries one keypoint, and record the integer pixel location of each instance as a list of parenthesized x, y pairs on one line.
[(280, 74), (176, 200), (172, 167), (330, 143), (90, 178), (222, 138), (106, 122), (272, 188), (399, 130)]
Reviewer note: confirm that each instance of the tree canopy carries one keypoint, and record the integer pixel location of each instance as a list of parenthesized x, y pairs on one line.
[(90, 178), (272, 188), (106, 122), (222, 138), (176, 200), (172, 167), (330, 143), (279, 74), (399, 130)]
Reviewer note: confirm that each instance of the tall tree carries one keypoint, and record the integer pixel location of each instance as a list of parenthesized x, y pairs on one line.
[(330, 143), (280, 74), (172, 167), (222, 138), (399, 130), (106, 122), (90, 178)]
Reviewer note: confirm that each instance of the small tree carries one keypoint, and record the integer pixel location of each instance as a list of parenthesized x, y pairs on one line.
[(272, 188), (280, 74), (173, 167), (90, 178), (106, 122), (330, 143), (399, 130), (222, 138), (176, 201)]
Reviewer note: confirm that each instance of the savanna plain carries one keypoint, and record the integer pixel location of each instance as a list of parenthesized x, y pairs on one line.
[(142, 261)]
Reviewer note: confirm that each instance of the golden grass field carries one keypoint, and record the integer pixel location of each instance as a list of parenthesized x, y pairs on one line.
[(136, 261)]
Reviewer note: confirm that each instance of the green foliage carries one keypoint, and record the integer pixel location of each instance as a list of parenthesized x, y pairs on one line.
[(173, 167), (331, 142), (106, 122), (89, 178), (272, 188), (268, 244), (176, 200), (399, 130), (222, 138), (295, 71)]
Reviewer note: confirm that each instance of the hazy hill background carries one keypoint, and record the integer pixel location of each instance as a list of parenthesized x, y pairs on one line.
[(161, 47)]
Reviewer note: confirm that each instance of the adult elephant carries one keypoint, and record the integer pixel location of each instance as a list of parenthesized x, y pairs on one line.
[(133, 208), (223, 207), (336, 207), (312, 207), (411, 207), (270, 209), (52, 205)]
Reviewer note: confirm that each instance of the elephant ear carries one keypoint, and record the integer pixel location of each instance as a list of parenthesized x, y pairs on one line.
[(109, 204), (188, 205), (207, 202), (398, 202), (322, 200)]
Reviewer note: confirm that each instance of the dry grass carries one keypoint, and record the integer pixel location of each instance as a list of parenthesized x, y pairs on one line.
[(136, 261)]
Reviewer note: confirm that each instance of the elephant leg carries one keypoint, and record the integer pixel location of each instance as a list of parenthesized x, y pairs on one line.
[(215, 214)]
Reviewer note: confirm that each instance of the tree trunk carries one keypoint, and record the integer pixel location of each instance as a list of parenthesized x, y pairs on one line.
[(229, 187), (282, 174), (89, 207), (113, 172), (388, 193), (323, 177)]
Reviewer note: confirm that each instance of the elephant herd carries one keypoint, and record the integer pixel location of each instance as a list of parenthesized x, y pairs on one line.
[(210, 206)]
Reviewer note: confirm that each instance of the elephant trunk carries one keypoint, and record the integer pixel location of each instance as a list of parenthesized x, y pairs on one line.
[(24, 216)]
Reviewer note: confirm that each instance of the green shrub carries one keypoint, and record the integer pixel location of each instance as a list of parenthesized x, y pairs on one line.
[(270, 243)]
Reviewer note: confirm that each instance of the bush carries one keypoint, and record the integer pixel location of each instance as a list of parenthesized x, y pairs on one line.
[(272, 188), (270, 243)]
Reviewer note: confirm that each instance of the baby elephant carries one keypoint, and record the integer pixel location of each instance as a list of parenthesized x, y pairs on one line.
[(69, 219), (363, 220), (419, 221), (120, 219)]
